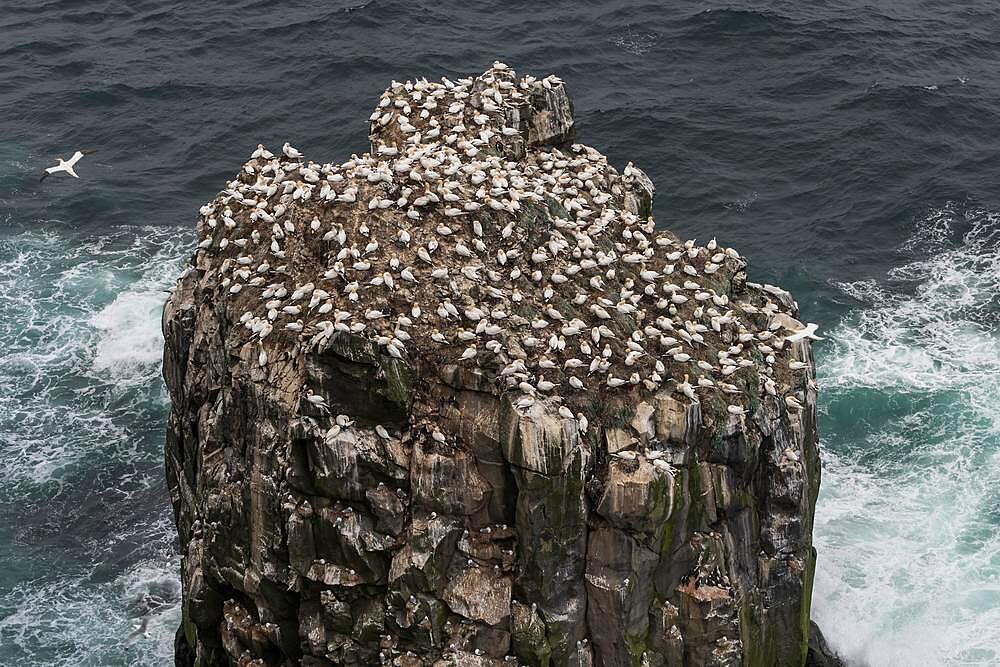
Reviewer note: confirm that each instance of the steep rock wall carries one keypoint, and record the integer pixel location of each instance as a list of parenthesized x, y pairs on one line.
[(342, 499)]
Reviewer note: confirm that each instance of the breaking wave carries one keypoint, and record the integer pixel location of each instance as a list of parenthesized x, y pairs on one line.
[(908, 522), (86, 535)]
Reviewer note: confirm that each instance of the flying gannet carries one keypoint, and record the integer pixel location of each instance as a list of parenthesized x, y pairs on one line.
[(65, 165), (808, 332)]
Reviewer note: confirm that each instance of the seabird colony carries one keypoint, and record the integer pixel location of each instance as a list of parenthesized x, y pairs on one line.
[(455, 241)]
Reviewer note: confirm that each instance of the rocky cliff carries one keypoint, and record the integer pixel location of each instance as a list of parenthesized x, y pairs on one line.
[(456, 401)]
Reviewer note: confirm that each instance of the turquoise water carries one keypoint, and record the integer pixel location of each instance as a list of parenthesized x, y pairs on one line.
[(908, 522), (85, 527)]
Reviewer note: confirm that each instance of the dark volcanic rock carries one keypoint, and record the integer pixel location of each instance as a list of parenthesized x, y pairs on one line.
[(362, 476), (820, 654)]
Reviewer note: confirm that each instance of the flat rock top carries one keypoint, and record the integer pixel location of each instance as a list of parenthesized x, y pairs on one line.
[(476, 233)]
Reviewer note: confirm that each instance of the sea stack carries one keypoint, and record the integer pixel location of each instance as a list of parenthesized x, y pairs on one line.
[(458, 401)]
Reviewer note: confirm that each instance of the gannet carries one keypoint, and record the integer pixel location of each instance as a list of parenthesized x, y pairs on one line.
[(792, 403), (808, 332), (65, 165)]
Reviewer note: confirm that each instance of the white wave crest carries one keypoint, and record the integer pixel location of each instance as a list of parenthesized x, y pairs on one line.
[(80, 321), (76, 618), (907, 522), (131, 342)]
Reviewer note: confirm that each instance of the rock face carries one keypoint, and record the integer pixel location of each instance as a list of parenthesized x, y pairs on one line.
[(820, 654), (351, 490)]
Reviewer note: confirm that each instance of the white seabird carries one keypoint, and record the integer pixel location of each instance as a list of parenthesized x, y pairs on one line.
[(65, 165), (809, 331)]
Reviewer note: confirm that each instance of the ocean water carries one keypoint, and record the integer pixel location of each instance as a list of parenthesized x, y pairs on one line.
[(849, 150), (907, 525)]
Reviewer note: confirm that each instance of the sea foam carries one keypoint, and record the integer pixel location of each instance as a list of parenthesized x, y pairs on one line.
[(85, 619), (91, 543), (80, 324), (907, 523), (130, 342)]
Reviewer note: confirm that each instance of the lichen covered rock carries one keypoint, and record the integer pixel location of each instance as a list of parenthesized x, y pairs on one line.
[(456, 401)]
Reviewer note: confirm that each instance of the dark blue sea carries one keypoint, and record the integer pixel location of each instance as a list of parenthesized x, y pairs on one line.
[(850, 149)]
